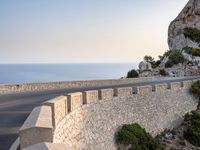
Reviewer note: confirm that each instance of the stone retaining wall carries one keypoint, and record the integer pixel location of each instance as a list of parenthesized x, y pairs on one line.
[(11, 88), (89, 120)]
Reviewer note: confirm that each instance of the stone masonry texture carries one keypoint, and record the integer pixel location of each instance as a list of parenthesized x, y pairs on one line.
[(93, 118), (94, 126)]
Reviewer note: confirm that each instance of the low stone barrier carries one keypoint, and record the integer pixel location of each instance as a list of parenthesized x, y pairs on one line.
[(90, 119), (37, 127), (90, 97), (13, 88), (59, 108), (160, 87), (125, 91), (106, 94), (142, 90)]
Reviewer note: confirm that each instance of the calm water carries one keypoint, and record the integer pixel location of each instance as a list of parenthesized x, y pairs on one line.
[(61, 72)]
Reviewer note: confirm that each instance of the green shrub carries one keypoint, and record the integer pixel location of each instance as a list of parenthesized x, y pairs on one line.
[(187, 49), (195, 52), (169, 64), (157, 63), (195, 88), (174, 56), (192, 33), (192, 134), (137, 138), (192, 51), (163, 72), (132, 74)]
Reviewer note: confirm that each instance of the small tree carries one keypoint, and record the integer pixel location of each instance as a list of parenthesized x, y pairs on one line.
[(151, 60), (195, 89), (132, 74)]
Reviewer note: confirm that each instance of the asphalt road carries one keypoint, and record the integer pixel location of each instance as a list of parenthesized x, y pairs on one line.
[(15, 108)]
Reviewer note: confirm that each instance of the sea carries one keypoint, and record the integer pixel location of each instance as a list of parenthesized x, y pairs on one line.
[(32, 73)]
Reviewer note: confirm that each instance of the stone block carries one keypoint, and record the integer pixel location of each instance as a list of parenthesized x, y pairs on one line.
[(74, 101), (59, 108), (37, 128), (175, 85), (144, 89), (187, 84), (124, 91), (105, 94), (161, 87), (90, 96)]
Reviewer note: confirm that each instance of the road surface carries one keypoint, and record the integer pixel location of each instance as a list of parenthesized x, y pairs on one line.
[(15, 108)]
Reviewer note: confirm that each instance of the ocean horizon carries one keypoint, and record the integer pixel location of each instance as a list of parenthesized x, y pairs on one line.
[(31, 73)]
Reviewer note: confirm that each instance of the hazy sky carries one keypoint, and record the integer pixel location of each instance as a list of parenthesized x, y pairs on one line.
[(61, 31)]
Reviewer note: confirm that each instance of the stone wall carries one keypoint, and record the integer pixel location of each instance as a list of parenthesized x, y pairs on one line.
[(89, 120), (11, 88)]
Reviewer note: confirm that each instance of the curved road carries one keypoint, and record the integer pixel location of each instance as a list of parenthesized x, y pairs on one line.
[(15, 108)]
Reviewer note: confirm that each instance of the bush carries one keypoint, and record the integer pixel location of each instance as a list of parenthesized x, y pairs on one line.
[(163, 72), (192, 134), (132, 74), (192, 33), (169, 64), (157, 63), (137, 138), (192, 51), (195, 88), (195, 52), (174, 56)]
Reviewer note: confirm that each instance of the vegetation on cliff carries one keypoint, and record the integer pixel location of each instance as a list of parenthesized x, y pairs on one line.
[(192, 51), (192, 134), (163, 72), (195, 89), (174, 57), (136, 138), (152, 61), (192, 33)]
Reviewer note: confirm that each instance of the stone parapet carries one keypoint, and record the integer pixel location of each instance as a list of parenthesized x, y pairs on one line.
[(74, 101), (105, 94), (90, 97), (83, 118), (125, 91), (58, 107), (13, 88), (187, 84), (37, 127), (142, 90), (161, 87), (175, 85)]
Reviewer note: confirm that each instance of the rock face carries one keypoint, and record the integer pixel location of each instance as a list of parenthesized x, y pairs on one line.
[(144, 66), (189, 17)]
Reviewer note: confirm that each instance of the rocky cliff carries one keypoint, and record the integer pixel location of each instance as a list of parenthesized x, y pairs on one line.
[(189, 17)]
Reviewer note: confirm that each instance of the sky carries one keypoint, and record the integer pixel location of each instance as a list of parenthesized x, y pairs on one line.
[(84, 31)]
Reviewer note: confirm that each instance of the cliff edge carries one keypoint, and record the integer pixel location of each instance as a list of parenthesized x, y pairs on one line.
[(189, 17)]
